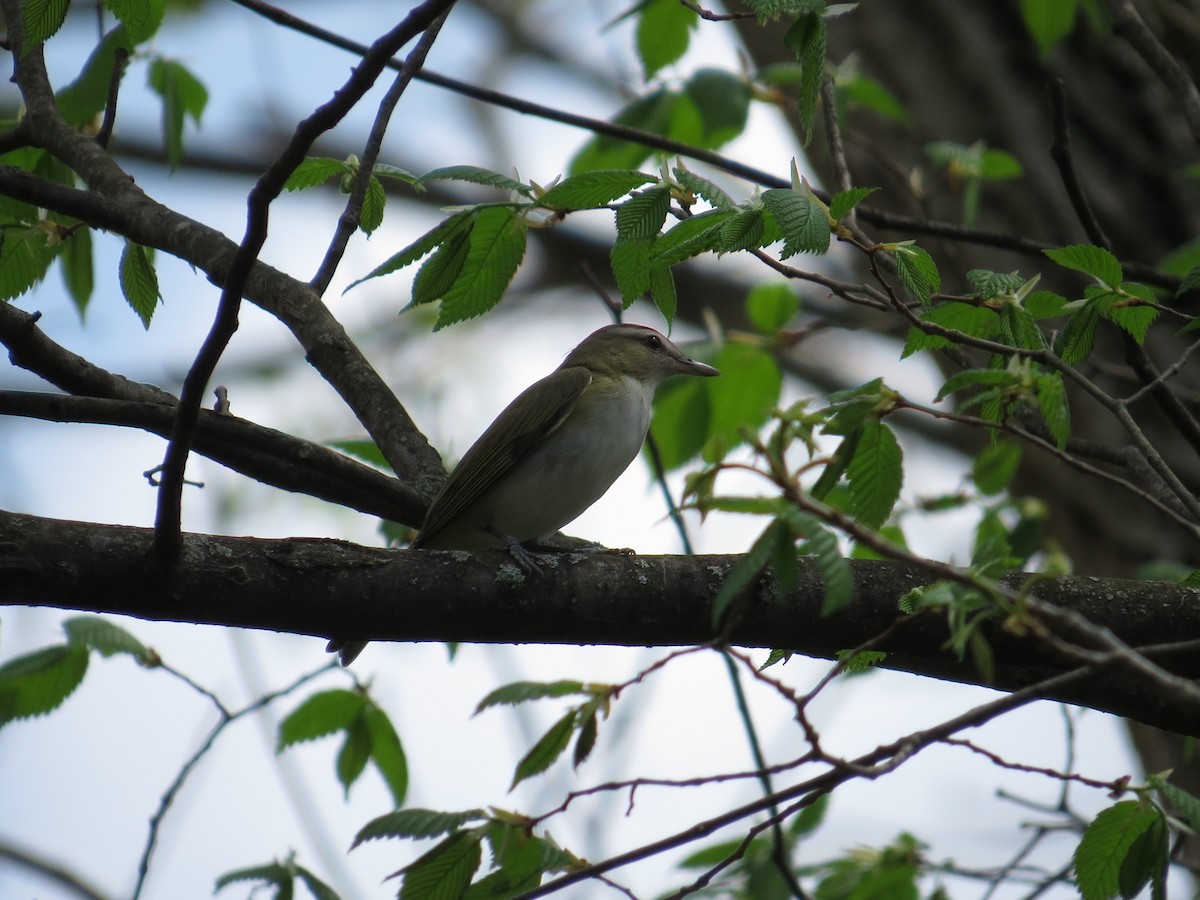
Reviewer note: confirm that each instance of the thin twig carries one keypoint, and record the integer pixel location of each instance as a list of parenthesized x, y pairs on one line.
[(120, 60)]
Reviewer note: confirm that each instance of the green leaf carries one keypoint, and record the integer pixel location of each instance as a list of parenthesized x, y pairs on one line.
[(1044, 304), (855, 89), (1106, 844), (918, 272), (750, 566), (383, 170), (986, 284), (415, 823), (42, 19), (104, 637), (806, 39), (690, 237), (744, 395), (631, 268), (25, 255), (315, 885), (1191, 281), (1146, 860), (995, 466), (274, 874), (445, 871), (649, 113), (321, 714), (801, 219), (703, 188), (374, 200), (548, 748), (771, 305), (438, 273), (589, 190), (39, 682), (1019, 329), (811, 816), (586, 741), (855, 662), (744, 231), (497, 246), (722, 100), (316, 170), (1074, 343), (1049, 21), (524, 691), (835, 571), (1052, 401), (386, 752), (643, 214), (1135, 319), (999, 165), (141, 17), (1091, 260), (352, 758), (85, 97), (477, 175), (78, 270), (663, 28), (975, 378), (977, 321), (662, 292), (182, 95), (842, 202), (680, 424), (875, 473), (139, 282), (459, 223), (1185, 804)]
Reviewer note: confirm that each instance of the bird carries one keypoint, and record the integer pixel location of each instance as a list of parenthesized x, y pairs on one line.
[(553, 451)]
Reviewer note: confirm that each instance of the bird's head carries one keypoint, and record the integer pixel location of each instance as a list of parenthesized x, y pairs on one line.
[(634, 351)]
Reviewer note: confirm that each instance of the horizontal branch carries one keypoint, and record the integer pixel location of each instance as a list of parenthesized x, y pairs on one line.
[(305, 586)]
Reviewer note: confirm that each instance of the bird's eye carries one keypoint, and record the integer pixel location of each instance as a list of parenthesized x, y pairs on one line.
[(654, 342)]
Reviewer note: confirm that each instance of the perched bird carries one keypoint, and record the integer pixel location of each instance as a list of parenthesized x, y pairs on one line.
[(554, 450)]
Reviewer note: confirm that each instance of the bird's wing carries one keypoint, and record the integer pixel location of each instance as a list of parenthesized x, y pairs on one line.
[(524, 424)]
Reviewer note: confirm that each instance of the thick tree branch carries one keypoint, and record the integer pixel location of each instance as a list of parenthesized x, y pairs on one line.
[(333, 588)]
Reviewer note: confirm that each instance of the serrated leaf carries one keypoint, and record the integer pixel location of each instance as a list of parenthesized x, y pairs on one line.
[(439, 272), (458, 223), (1052, 402), (643, 214), (497, 246), (975, 378), (354, 754), (78, 270), (771, 305), (1105, 845), (1185, 804), (39, 682), (86, 96), (42, 19), (272, 873), (182, 95), (703, 188), (141, 17), (315, 885), (1019, 329), (744, 231), (855, 662), (548, 749), (384, 170), (662, 292), (321, 714), (524, 691), (749, 568), (104, 637), (835, 571), (445, 871), (875, 473), (1045, 304), (806, 39), (690, 237), (1134, 319), (977, 321), (1191, 281), (387, 752), (585, 742), (375, 199), (918, 272), (477, 175), (842, 202), (631, 268), (139, 282), (801, 220), (1091, 260), (994, 467), (986, 284), (1146, 860), (663, 33), (777, 657), (1074, 343), (315, 170), (25, 255), (415, 823), (589, 190)]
